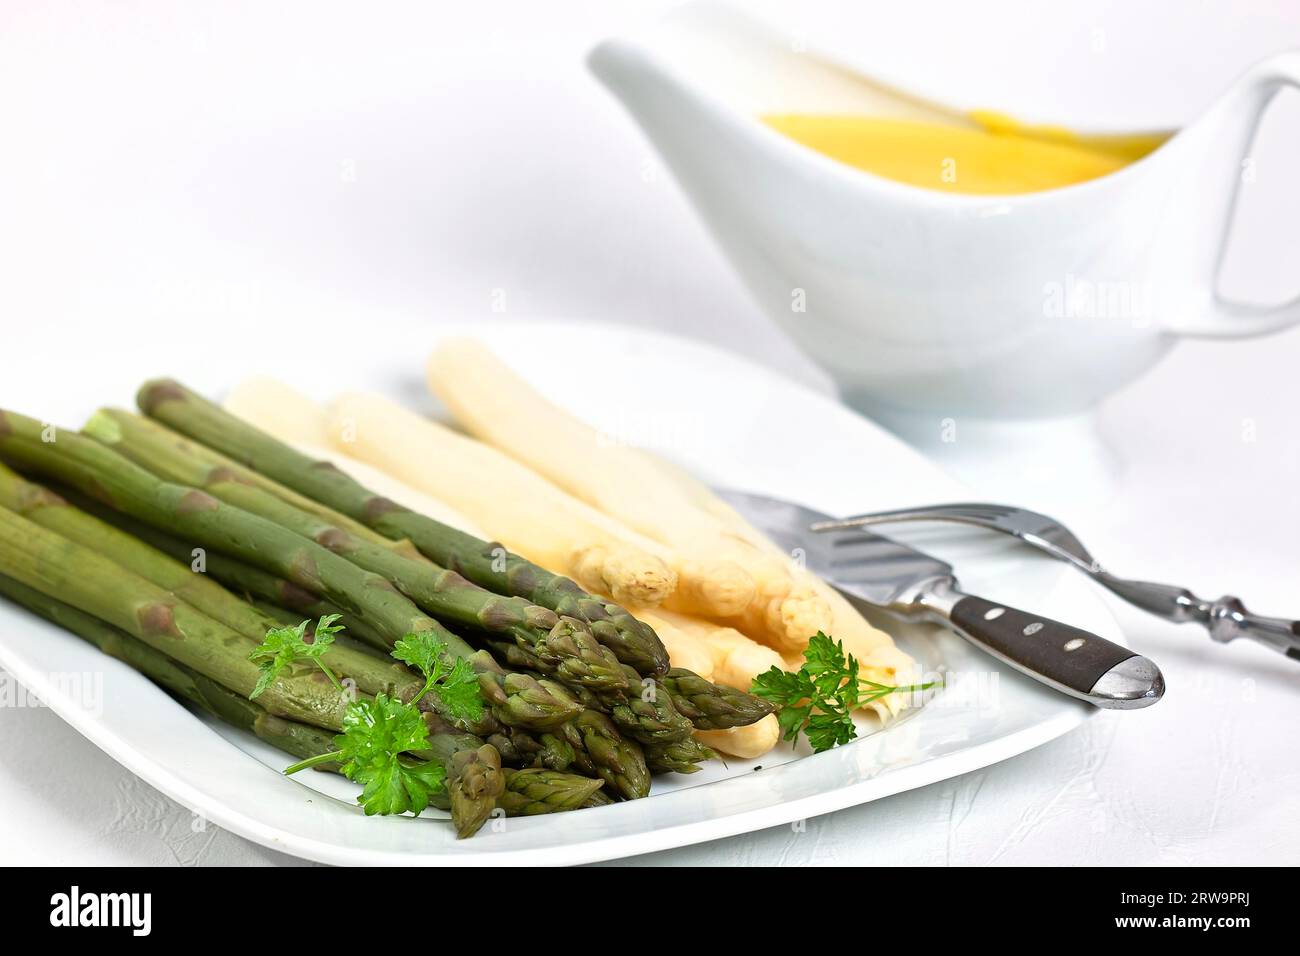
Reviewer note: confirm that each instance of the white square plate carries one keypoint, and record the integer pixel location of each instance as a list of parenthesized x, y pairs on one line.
[(731, 423)]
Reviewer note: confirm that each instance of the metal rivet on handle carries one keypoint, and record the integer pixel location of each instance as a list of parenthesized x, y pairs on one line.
[(993, 613), (1032, 629), (1075, 644)]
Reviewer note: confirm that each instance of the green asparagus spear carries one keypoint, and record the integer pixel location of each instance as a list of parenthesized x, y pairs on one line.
[(710, 706), (572, 655), (651, 716), (521, 749), (471, 783), (531, 792), (601, 751), (54, 565), (298, 739), (516, 699), (680, 756), (647, 716), (100, 472), (522, 699), (589, 744), (664, 734), (665, 709), (238, 577), (487, 564), (473, 779), (188, 512), (47, 509)]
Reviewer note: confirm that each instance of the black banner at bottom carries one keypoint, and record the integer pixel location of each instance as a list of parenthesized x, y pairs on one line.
[(141, 905)]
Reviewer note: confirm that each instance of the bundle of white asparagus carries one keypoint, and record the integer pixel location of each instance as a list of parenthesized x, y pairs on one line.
[(726, 602)]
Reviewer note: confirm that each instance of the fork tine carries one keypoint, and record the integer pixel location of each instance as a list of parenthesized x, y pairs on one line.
[(882, 517), (974, 509), (1017, 521), (963, 514), (971, 506), (1037, 529)]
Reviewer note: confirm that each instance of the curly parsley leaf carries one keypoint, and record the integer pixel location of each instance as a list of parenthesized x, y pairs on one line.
[(323, 633), (460, 693), (819, 698), (456, 683), (422, 651), (379, 734), (375, 729), (399, 785), (284, 645), (825, 731), (376, 735)]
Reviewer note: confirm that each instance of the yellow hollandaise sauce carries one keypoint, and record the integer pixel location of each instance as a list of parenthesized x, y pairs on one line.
[(993, 155)]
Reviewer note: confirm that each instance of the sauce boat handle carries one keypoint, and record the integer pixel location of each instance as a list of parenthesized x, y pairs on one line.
[(1221, 318)]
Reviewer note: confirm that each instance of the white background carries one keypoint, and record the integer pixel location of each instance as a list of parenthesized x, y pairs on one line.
[(173, 172)]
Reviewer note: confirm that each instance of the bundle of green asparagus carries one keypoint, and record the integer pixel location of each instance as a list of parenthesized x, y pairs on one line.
[(202, 559), (472, 788)]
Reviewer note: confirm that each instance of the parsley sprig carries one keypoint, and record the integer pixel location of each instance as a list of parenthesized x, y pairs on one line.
[(457, 683), (820, 697), (376, 733), (380, 733), (284, 645)]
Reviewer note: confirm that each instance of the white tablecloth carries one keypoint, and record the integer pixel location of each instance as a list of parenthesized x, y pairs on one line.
[(170, 173)]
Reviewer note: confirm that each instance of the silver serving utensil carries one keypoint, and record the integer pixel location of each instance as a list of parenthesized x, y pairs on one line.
[(1226, 619), (917, 586)]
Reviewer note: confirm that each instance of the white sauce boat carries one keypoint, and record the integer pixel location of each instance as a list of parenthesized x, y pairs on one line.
[(932, 309)]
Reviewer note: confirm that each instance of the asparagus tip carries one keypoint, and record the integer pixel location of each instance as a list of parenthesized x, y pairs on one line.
[(158, 390)]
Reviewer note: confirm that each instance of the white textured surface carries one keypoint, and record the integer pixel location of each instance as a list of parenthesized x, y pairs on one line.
[(167, 167)]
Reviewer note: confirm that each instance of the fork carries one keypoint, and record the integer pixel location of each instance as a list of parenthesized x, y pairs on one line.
[(1226, 619)]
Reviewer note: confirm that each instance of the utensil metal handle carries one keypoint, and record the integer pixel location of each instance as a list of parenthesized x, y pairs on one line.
[(1226, 619)]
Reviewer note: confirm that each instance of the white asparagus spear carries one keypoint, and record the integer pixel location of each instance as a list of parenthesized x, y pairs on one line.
[(492, 402), (281, 410), (292, 417), (684, 649), (384, 484), (747, 742), (512, 504), (870, 645), (736, 659), (496, 405), (709, 587)]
